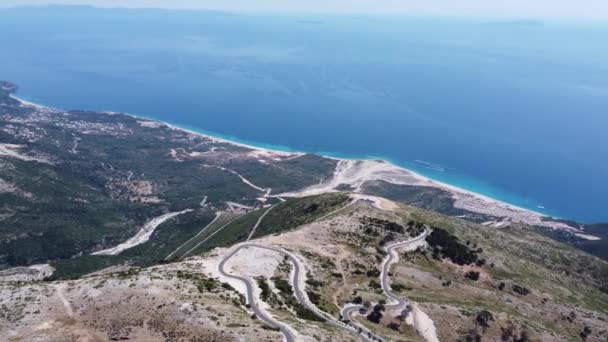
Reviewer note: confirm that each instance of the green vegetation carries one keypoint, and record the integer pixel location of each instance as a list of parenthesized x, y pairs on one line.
[(519, 266), (283, 286), (304, 313), (264, 287), (446, 245), (120, 174), (376, 315), (288, 175), (473, 275), (200, 236), (165, 239), (595, 247), (484, 318), (423, 197), (237, 230), (298, 211), (203, 283), (520, 289), (287, 294), (396, 287)]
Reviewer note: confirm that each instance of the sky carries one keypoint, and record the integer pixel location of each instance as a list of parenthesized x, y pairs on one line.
[(533, 9)]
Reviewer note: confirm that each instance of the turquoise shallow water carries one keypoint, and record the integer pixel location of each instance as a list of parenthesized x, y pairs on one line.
[(461, 181), (512, 110)]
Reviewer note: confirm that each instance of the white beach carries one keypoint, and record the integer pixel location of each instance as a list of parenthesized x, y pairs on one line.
[(356, 171)]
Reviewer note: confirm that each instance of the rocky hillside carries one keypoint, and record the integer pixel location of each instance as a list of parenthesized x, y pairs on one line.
[(463, 282)]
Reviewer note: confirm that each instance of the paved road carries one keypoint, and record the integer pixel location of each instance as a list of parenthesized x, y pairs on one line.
[(299, 292), (386, 265), (288, 336), (398, 302)]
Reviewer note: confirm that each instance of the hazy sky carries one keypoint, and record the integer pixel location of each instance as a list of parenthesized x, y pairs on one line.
[(570, 9)]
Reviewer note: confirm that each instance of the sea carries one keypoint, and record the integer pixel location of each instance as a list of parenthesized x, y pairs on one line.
[(513, 109)]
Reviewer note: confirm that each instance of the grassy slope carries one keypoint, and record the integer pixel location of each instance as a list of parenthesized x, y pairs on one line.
[(288, 175), (299, 211), (201, 236), (236, 231), (285, 216), (559, 277), (165, 239), (173, 233)]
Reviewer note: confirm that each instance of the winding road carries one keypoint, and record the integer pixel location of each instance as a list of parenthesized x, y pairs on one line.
[(298, 283), (299, 292), (386, 264), (261, 314), (397, 302)]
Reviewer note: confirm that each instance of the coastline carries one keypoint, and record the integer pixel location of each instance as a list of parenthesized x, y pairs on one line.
[(282, 150), (29, 103), (475, 199), (276, 149)]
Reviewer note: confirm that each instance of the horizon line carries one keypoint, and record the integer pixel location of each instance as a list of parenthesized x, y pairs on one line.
[(361, 14)]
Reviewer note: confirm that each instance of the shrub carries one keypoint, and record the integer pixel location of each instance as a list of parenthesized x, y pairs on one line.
[(393, 326), (484, 318), (399, 287), (314, 297), (303, 312), (283, 286), (263, 284), (373, 273), (521, 290), (585, 333), (374, 316), (313, 282), (472, 275)]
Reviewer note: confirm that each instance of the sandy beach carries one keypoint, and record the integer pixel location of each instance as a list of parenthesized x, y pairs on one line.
[(355, 172)]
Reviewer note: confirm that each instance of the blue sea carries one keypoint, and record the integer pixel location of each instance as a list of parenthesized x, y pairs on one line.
[(513, 109)]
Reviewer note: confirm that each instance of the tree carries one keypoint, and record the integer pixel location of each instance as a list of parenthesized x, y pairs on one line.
[(379, 307), (374, 316)]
